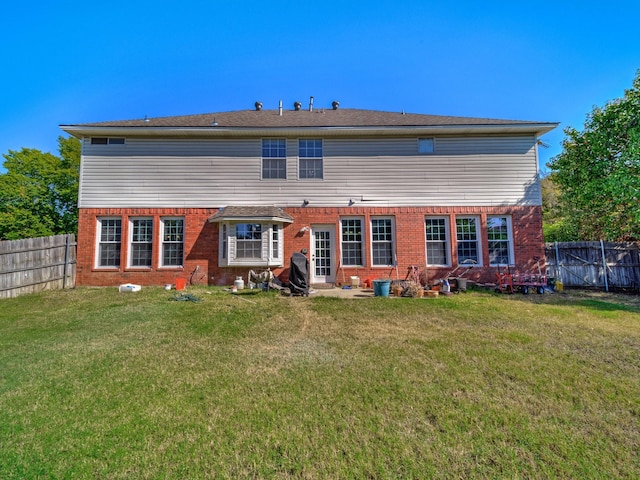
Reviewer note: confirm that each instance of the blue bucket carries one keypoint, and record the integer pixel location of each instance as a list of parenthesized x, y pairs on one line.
[(381, 288)]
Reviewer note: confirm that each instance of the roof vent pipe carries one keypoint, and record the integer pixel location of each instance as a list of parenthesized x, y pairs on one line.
[(297, 106), (311, 104), (280, 108), (335, 104), (258, 106)]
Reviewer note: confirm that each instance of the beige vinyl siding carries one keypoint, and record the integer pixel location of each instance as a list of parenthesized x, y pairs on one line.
[(487, 170)]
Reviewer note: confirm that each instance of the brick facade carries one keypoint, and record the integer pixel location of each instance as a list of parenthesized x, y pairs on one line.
[(201, 243)]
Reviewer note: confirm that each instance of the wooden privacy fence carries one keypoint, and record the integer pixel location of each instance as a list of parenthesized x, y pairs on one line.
[(605, 265), (35, 264)]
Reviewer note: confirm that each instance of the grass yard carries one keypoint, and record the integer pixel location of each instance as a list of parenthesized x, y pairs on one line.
[(100, 384)]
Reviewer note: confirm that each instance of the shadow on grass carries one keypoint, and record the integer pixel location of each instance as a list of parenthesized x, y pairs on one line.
[(593, 300)]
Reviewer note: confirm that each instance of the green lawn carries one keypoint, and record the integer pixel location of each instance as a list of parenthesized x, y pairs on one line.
[(100, 384)]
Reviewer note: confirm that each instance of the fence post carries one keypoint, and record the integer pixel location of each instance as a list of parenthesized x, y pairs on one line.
[(604, 266), (558, 270), (66, 263)]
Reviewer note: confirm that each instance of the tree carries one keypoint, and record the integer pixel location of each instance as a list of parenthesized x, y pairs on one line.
[(598, 171), (39, 192), (555, 227)]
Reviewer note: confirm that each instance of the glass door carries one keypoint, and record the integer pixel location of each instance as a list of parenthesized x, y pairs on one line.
[(322, 254)]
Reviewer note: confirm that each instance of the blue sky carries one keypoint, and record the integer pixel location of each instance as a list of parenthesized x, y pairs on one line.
[(70, 62)]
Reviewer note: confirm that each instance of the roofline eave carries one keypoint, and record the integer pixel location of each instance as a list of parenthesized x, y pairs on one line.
[(81, 131)]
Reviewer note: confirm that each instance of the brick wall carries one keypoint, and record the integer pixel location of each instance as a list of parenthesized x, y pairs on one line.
[(201, 243)]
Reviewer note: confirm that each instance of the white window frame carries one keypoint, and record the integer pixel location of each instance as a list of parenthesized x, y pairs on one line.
[(100, 242), (392, 242), (310, 154), (478, 239), (268, 147), (254, 242), (163, 242), (509, 240), (361, 242), (446, 241), (426, 145), (271, 246), (131, 243)]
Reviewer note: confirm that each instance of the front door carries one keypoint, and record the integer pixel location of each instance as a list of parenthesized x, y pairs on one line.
[(323, 269)]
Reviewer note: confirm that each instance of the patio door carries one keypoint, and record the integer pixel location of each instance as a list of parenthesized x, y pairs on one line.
[(322, 265)]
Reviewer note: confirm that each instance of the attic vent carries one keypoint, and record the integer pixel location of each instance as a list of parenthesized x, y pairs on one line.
[(258, 106), (297, 106), (335, 104), (107, 141)]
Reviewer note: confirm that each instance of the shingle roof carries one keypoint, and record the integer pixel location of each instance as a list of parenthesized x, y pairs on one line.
[(305, 118), (271, 213)]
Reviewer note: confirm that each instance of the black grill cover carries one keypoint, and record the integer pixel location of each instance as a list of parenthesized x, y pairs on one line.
[(298, 274)]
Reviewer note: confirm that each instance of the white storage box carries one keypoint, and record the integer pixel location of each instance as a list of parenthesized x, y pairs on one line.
[(129, 287)]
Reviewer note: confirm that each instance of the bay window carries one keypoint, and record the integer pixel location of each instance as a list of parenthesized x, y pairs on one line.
[(251, 244)]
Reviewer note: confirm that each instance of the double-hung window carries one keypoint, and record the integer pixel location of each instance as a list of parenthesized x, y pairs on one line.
[(310, 159), (141, 242), (172, 237), (437, 237), (351, 244), (468, 238), (382, 244), (500, 241), (248, 241), (110, 235), (274, 158)]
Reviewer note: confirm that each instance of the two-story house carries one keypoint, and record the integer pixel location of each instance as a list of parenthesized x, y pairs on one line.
[(208, 197)]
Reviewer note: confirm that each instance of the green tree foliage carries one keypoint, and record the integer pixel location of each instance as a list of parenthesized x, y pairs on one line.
[(554, 225), (39, 192), (598, 171)]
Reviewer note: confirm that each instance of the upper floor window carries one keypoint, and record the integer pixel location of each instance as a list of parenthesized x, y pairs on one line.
[(274, 158), (109, 237), (437, 237), (172, 240), (351, 244), (382, 244), (426, 145), (468, 238), (310, 161), (107, 141), (500, 240), (141, 242)]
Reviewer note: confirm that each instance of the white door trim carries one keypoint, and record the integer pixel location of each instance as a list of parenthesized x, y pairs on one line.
[(322, 254)]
